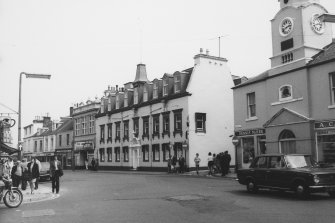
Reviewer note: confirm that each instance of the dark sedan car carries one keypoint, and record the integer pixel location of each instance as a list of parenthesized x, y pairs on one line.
[(291, 172)]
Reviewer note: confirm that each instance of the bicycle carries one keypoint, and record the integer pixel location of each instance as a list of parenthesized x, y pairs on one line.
[(11, 196)]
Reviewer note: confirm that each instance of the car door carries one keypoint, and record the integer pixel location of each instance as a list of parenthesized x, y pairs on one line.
[(260, 169), (276, 172)]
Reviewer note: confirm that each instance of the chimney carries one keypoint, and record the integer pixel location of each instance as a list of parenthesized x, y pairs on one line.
[(207, 52), (71, 111), (117, 87), (201, 50), (141, 74)]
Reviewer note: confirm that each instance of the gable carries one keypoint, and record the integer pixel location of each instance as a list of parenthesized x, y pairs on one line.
[(285, 116)]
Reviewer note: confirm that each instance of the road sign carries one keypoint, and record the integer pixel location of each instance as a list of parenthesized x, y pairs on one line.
[(235, 141)]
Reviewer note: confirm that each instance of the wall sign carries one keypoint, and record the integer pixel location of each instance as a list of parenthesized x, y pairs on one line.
[(324, 124), (250, 132)]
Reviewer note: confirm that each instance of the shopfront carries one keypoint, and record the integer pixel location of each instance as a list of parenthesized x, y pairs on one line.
[(325, 141), (251, 142), (65, 155), (83, 150)]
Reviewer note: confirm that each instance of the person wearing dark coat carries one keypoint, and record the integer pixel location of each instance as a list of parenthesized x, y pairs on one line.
[(34, 172), (226, 163), (56, 172)]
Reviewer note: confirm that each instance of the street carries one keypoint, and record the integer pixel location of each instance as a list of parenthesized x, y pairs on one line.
[(159, 197)]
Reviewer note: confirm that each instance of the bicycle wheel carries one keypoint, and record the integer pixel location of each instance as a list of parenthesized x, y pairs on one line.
[(13, 198)]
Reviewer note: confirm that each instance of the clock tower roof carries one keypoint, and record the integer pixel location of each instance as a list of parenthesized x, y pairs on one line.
[(296, 3)]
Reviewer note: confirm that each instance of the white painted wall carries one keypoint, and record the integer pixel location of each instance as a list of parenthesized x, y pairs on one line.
[(210, 86)]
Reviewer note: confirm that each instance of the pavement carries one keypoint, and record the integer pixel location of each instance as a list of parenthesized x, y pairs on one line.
[(44, 190)]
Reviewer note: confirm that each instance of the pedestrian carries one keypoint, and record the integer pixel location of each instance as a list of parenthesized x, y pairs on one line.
[(210, 164), (86, 164), (56, 172), (197, 162), (169, 164), (39, 169), (16, 173), (93, 163), (181, 164), (34, 173), (10, 163), (25, 174), (226, 163), (174, 163)]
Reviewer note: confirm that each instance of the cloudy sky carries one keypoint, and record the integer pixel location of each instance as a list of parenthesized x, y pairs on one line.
[(87, 45)]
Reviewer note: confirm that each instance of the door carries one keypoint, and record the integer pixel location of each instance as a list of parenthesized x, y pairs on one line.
[(277, 172)]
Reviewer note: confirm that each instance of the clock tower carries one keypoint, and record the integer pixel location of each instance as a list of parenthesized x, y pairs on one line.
[(298, 33)]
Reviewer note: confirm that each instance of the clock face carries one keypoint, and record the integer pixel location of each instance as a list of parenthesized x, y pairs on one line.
[(317, 25), (286, 26)]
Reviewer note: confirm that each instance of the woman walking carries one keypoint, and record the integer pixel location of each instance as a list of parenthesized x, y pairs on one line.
[(34, 172)]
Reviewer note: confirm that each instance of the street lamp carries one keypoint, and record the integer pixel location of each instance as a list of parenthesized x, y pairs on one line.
[(38, 76)]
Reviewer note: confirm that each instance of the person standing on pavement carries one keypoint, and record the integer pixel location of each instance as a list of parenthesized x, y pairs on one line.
[(39, 170), (169, 163), (174, 163), (93, 163), (197, 162), (16, 173), (86, 164), (25, 173), (226, 163), (34, 172), (210, 164), (55, 174), (181, 164)]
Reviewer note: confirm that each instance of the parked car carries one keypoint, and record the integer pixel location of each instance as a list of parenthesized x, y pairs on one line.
[(290, 172), (45, 171)]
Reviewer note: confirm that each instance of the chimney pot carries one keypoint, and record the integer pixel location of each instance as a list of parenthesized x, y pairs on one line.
[(207, 52), (201, 50)]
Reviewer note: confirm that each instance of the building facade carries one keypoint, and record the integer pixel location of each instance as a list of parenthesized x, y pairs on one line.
[(64, 142), (290, 107), (83, 116), (141, 124)]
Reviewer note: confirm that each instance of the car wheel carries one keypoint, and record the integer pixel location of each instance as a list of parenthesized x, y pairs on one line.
[(301, 190), (331, 194), (251, 187)]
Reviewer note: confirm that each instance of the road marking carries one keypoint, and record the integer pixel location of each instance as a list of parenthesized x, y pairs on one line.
[(38, 213)]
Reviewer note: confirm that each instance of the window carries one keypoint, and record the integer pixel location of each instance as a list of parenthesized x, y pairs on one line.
[(165, 86), (200, 122), (109, 154), (276, 162), (248, 149), (136, 96), (60, 140), (251, 100), (102, 106), (166, 124), (109, 104), (136, 126), (117, 154), (102, 154), (145, 94), (261, 162), (155, 152), (166, 151), (83, 126), (35, 146), (332, 88), (145, 127), (125, 154), (126, 99), (177, 84), (117, 131), (76, 121), (117, 105), (125, 130), (155, 90), (155, 126), (109, 132), (92, 125), (177, 122), (41, 146), (67, 139), (287, 142), (46, 144), (285, 92), (102, 133), (145, 151)]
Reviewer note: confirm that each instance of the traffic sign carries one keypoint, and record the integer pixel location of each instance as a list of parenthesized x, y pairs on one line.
[(235, 141)]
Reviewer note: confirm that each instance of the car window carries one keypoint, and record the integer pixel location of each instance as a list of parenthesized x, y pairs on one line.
[(276, 162), (261, 162)]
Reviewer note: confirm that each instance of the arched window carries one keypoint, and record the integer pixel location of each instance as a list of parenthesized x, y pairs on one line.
[(285, 93), (287, 142)]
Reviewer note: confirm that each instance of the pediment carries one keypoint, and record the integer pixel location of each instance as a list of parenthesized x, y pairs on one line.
[(286, 116)]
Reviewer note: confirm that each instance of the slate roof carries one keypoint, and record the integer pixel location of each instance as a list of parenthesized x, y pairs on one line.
[(66, 126), (260, 77), (328, 53)]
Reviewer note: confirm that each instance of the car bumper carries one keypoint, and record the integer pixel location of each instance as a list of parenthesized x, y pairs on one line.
[(323, 188)]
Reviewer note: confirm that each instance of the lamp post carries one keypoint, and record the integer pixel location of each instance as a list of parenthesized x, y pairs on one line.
[(38, 76)]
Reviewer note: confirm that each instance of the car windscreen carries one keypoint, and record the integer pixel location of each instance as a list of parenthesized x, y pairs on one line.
[(298, 161)]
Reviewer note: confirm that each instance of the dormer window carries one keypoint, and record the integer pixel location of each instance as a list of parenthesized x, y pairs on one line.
[(136, 96), (102, 106), (155, 90), (109, 104), (165, 87), (126, 99), (117, 105), (145, 94), (285, 92), (177, 84)]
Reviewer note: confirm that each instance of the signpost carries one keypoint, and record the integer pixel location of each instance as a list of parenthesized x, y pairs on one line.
[(235, 140)]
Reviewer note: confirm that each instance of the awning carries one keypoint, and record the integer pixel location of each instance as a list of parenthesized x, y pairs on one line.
[(7, 149)]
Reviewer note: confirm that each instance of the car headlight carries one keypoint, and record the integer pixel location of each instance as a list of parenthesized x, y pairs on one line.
[(316, 179)]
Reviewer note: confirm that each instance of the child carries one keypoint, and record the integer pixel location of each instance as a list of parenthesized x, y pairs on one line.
[(197, 162)]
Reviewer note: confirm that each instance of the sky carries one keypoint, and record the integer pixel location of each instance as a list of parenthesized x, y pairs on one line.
[(87, 45)]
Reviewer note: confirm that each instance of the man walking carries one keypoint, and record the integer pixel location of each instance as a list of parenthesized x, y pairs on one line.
[(55, 173)]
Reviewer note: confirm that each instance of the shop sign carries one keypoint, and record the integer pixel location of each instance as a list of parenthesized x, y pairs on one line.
[(326, 132), (250, 132), (324, 124), (83, 145)]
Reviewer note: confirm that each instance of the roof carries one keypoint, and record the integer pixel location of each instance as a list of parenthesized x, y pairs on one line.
[(261, 77), (66, 126), (326, 54)]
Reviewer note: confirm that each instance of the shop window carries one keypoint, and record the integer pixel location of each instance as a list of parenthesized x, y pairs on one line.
[(200, 122), (251, 100), (332, 88), (287, 142), (285, 93), (248, 149), (155, 152), (109, 154), (145, 153), (102, 154), (125, 154), (326, 148), (117, 154)]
